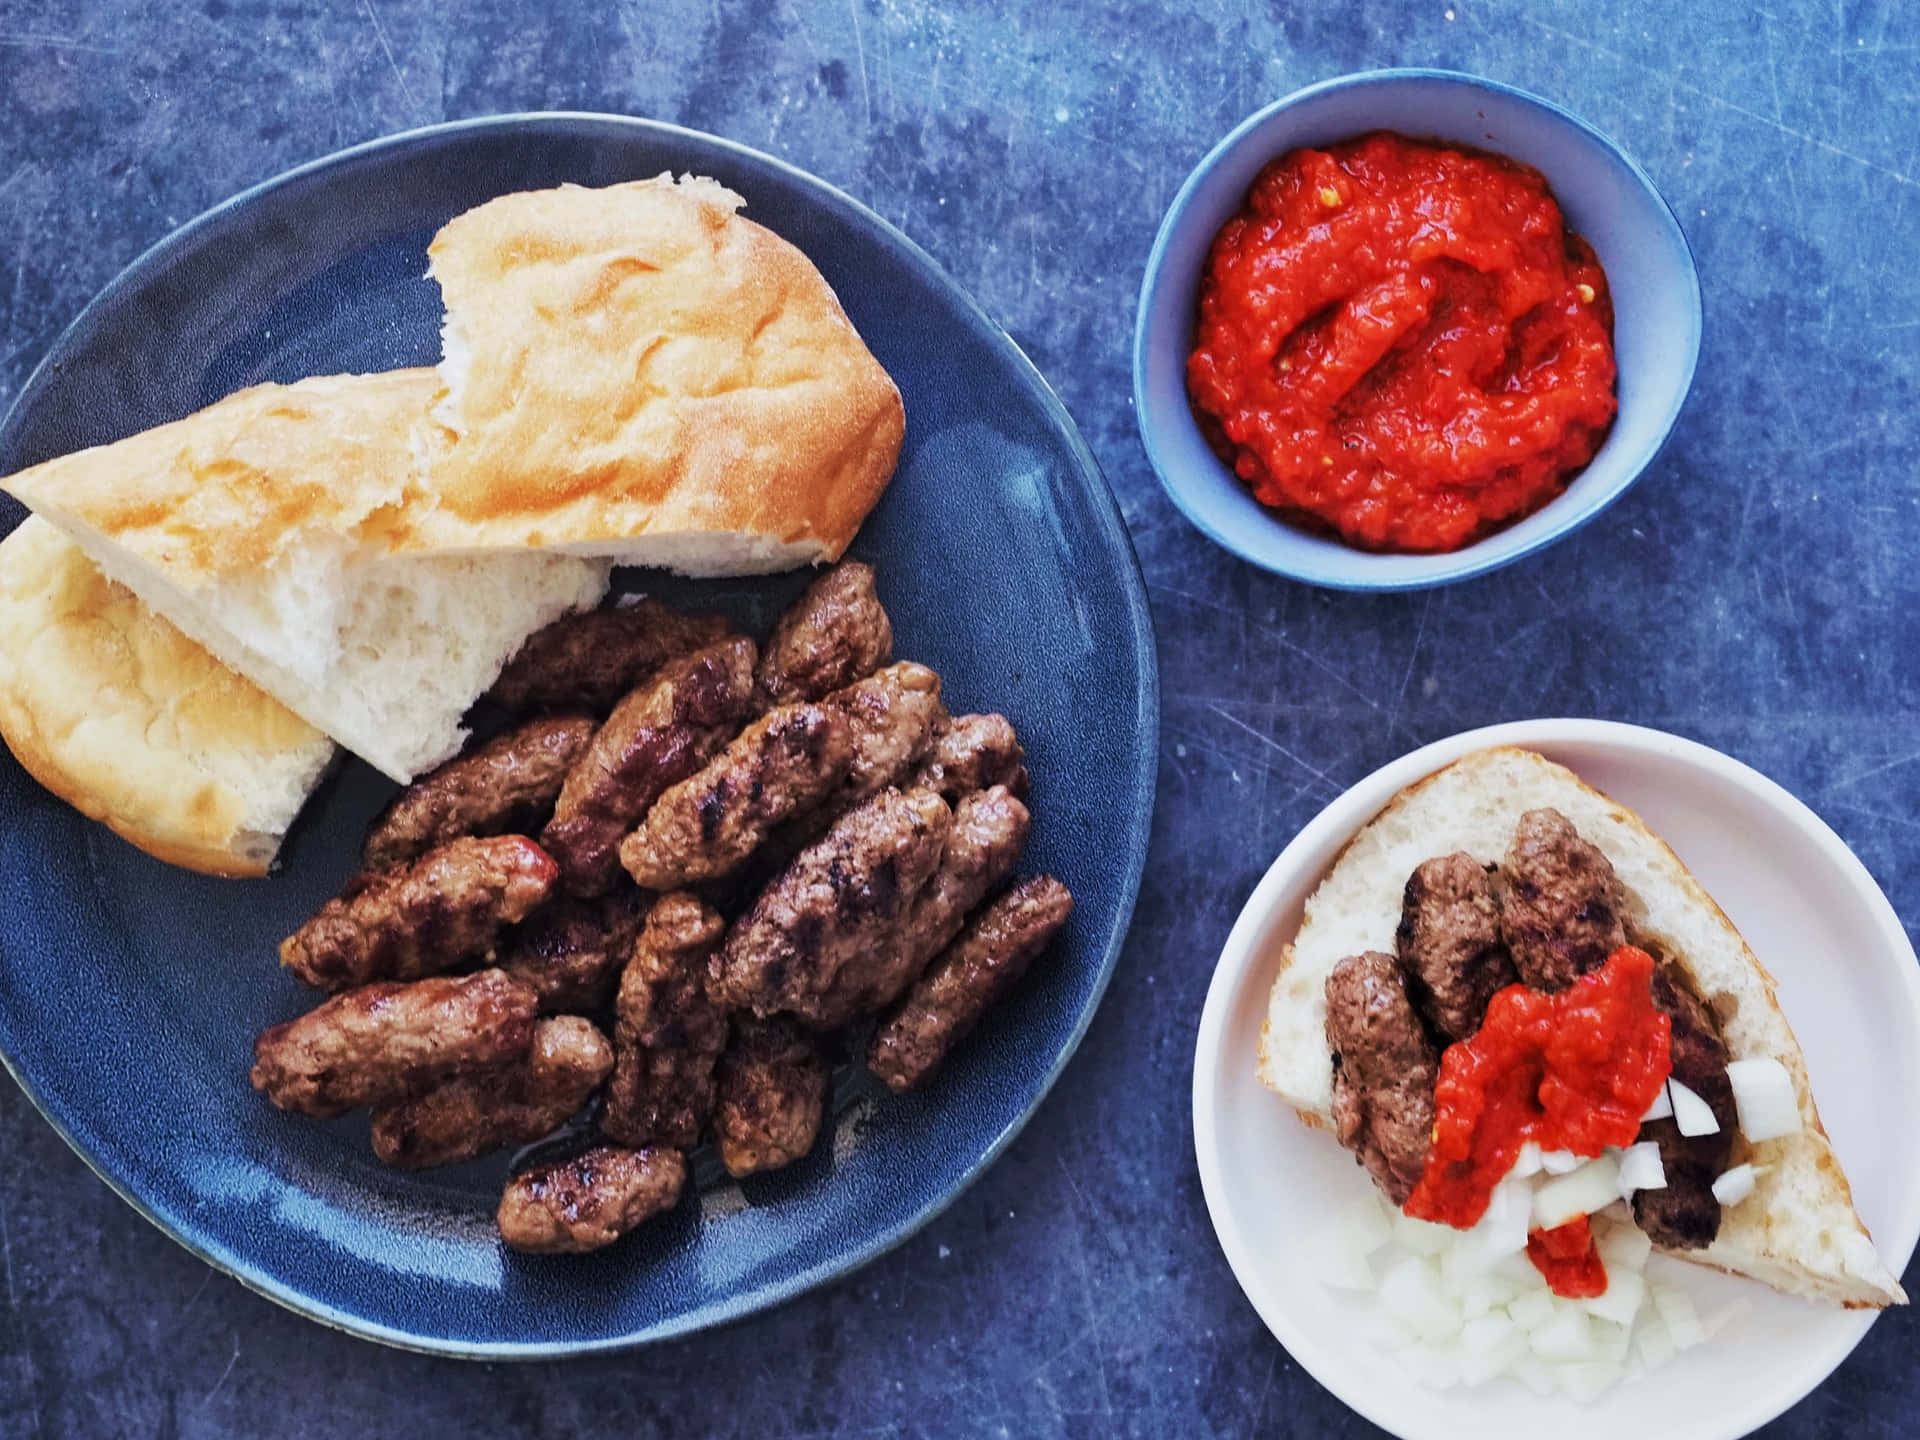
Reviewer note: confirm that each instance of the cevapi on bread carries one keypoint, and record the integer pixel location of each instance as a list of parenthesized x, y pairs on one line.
[(1798, 1231), (263, 527), (114, 710)]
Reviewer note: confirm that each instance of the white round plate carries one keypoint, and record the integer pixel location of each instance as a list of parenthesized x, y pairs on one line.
[(1850, 987)]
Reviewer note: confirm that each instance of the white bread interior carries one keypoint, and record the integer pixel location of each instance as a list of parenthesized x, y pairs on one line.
[(1798, 1232), (118, 713), (638, 373), (264, 527)]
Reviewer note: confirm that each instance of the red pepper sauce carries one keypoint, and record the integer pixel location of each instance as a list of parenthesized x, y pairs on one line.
[(1566, 1256), (1573, 1071), (1403, 343)]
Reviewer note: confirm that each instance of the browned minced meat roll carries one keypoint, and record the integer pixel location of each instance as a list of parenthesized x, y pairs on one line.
[(706, 826), (478, 1114), (771, 1094), (1384, 1069), (376, 1044), (669, 1033), (1449, 943), (663, 731), (569, 1207), (972, 752), (989, 831), (834, 634), (838, 904), (588, 661), (507, 785), (1563, 911), (1685, 1215), (971, 975), (446, 907), (571, 951)]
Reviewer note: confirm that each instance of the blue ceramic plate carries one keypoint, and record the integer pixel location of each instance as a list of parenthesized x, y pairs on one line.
[(130, 992)]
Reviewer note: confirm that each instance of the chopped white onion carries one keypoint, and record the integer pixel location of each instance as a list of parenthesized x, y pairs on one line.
[(1567, 1336), (1691, 1114), (1734, 1186), (1681, 1319), (1567, 1197), (1652, 1344), (1641, 1169), (1533, 1309), (1661, 1108), (1624, 1247), (1763, 1096), (1412, 1294), (1527, 1162), (1588, 1382), (1620, 1302), (1559, 1162), (1422, 1237)]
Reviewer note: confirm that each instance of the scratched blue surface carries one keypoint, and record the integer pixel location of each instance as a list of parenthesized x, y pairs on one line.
[(1757, 591)]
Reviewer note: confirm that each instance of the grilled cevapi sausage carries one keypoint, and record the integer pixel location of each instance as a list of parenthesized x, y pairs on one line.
[(836, 633), (588, 661), (380, 1043), (1384, 1069), (446, 907), (971, 975), (507, 785), (569, 1207)]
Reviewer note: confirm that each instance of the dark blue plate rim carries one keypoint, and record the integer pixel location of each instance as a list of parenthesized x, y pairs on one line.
[(1106, 511)]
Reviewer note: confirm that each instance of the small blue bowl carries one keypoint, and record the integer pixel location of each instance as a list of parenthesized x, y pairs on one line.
[(1606, 198)]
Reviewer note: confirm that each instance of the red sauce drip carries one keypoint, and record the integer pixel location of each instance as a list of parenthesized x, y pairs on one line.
[(1567, 1258), (1403, 343), (1573, 1071)]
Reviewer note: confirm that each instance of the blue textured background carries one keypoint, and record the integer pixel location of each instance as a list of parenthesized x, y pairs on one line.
[(1757, 591)]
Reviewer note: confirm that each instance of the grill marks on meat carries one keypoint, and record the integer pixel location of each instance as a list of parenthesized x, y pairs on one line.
[(444, 908), (1685, 1215), (972, 752), (705, 827), (470, 1117), (587, 661), (507, 784), (1384, 1069), (669, 1033), (772, 1093), (989, 831), (890, 719), (836, 633), (571, 951), (1449, 942), (1563, 912), (840, 900), (381, 1043), (570, 1207), (971, 975), (665, 730)]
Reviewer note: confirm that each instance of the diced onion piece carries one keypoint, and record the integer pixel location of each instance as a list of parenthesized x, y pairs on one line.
[(1531, 1310), (1652, 1344), (1567, 1197), (1641, 1168), (1624, 1247), (1527, 1162), (1681, 1319), (1620, 1301), (1763, 1096), (1559, 1162), (1567, 1336), (1423, 1237), (1661, 1108), (1536, 1375), (1734, 1186), (1412, 1294), (1691, 1114), (1489, 1346)]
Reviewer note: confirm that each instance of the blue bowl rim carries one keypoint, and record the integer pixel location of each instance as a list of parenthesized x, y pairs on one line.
[(1106, 511), (1467, 566)]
